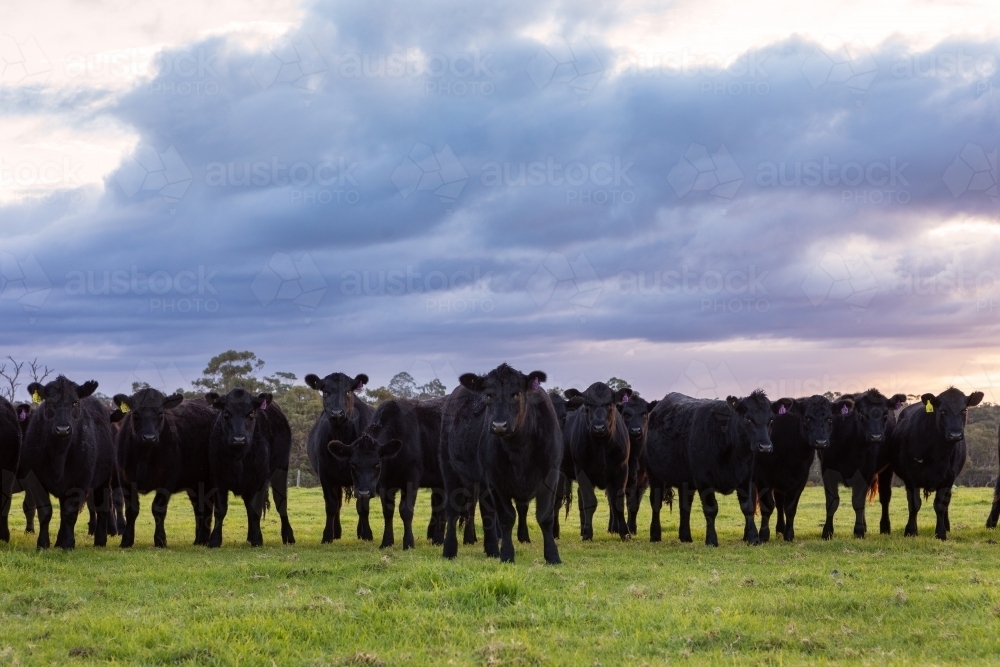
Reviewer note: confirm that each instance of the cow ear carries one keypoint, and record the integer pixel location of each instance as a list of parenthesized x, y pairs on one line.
[(534, 379), (782, 405), (974, 399), (390, 449), (36, 389), (86, 389), (215, 400), (929, 398), (340, 450), (472, 382), (314, 382), (263, 400), (172, 401), (23, 411), (736, 404), (121, 399), (622, 395), (896, 402), (116, 416), (651, 405), (359, 382), (573, 393), (842, 407)]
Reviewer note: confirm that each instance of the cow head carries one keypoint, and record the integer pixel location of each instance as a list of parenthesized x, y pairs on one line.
[(816, 415), (950, 409), (60, 404), (365, 456), (338, 394), (238, 412), (635, 411), (148, 408), (559, 405), (504, 390), (872, 409), (755, 415), (23, 411), (599, 403)]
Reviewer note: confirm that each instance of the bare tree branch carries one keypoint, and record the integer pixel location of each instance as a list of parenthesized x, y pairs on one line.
[(11, 376), (38, 374)]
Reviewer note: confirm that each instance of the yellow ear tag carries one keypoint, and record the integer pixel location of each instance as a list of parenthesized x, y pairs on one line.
[(123, 408), (928, 407), (36, 398)]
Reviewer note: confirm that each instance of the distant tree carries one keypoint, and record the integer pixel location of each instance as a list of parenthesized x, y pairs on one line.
[(617, 383), (10, 371), (377, 395), (402, 385), (139, 386), (433, 389), (229, 370)]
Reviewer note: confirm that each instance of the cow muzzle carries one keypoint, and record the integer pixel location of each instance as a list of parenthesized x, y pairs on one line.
[(820, 444), (62, 431), (499, 428), (635, 431), (878, 437), (337, 415), (149, 439), (765, 447), (955, 436), (239, 440)]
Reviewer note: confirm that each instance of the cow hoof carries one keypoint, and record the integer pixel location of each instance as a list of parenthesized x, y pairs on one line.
[(941, 536), (553, 561), (385, 545)]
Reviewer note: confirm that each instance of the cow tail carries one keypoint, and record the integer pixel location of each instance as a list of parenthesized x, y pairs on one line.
[(668, 497), (567, 496), (348, 493), (267, 501), (873, 488)]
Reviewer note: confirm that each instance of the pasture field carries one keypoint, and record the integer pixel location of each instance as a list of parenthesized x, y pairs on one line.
[(884, 600)]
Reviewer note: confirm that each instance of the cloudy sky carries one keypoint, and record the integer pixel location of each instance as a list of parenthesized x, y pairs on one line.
[(695, 196)]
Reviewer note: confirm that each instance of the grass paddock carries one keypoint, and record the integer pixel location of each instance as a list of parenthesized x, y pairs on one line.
[(885, 599)]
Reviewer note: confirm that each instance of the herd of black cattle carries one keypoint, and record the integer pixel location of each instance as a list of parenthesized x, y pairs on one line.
[(498, 440)]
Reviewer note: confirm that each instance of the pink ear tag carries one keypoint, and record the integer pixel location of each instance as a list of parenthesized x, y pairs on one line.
[(625, 398), (898, 405), (844, 410), (534, 384), (23, 415), (263, 406), (782, 410)]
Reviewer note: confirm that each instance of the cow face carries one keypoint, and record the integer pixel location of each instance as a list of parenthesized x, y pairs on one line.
[(148, 409), (365, 456), (951, 408), (756, 414), (504, 390), (338, 394), (599, 405), (61, 404), (816, 415), (635, 411), (238, 411), (872, 412)]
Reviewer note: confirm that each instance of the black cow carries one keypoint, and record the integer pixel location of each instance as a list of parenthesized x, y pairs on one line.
[(247, 431), (926, 450), (500, 434), (24, 412), (10, 452), (598, 440), (345, 417), (68, 452), (709, 446), (398, 452), (798, 433), (991, 520), (163, 446), (635, 412), (852, 457)]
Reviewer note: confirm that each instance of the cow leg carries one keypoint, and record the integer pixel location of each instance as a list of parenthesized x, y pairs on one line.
[(332, 496), (546, 508), (255, 509), (942, 499), (437, 517), (506, 517), (913, 502), (655, 504), (612, 517), (159, 510), (616, 501), (750, 534), (407, 501), (710, 506), (991, 520), (491, 530), (102, 508), (767, 503), (587, 500), (388, 497), (69, 510), (202, 514), (791, 505), (91, 516), (634, 503), (364, 527), (859, 493), (522, 524), (28, 507), (279, 490), (831, 488), (469, 534), (686, 502), (884, 497), (44, 517), (220, 510), (779, 507), (117, 516)]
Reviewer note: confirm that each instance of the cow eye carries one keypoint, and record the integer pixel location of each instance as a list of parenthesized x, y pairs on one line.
[(76, 404), (515, 394), (829, 420)]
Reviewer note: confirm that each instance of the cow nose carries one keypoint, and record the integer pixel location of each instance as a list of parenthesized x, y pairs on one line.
[(239, 440), (62, 430), (500, 427), (820, 444), (877, 437), (149, 437), (599, 428), (765, 447), (363, 494), (635, 431), (337, 414), (956, 435)]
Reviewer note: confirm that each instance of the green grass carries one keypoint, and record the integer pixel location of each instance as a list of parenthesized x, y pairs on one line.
[(878, 600)]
